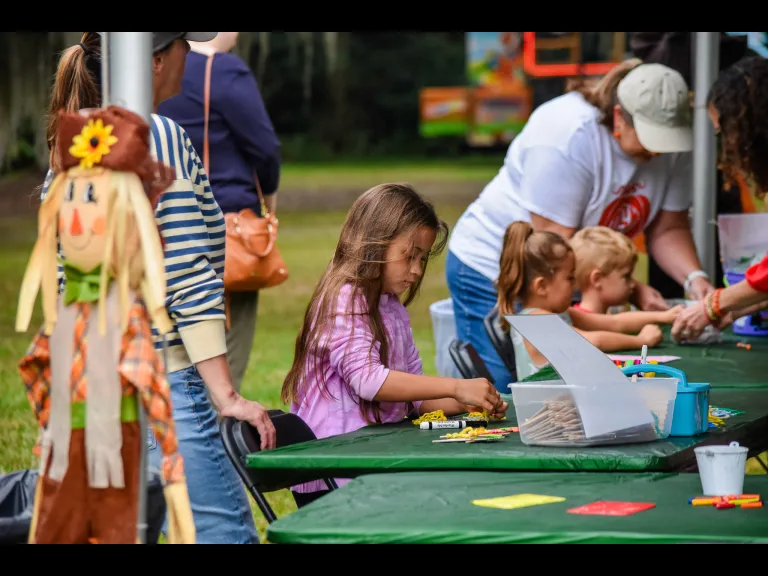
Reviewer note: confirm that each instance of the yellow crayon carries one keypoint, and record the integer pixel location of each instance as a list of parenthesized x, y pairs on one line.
[(703, 502), (741, 501)]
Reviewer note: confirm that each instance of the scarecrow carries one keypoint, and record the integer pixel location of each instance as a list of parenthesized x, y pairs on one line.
[(94, 359)]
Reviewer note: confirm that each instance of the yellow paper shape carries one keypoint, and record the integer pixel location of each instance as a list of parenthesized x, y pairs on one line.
[(517, 501)]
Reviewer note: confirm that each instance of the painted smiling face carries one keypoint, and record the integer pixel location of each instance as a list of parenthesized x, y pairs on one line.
[(83, 218)]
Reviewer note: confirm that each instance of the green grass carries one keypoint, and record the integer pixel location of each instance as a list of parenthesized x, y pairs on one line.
[(362, 174), (306, 242)]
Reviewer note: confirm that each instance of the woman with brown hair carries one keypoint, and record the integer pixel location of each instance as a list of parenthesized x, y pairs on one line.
[(615, 153), (190, 223), (736, 104)]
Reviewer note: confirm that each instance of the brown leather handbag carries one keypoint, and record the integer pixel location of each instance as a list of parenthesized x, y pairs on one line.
[(251, 259)]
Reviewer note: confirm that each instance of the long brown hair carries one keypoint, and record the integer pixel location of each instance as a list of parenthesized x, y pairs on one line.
[(603, 93), (738, 95), (76, 86), (378, 216), (525, 256)]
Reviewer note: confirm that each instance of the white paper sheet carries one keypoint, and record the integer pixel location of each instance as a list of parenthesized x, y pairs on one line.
[(606, 402)]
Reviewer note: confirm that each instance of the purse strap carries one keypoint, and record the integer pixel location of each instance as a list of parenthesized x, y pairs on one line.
[(206, 116)]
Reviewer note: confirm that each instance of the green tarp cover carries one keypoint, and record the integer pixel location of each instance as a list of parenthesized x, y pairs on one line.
[(403, 447), (724, 364), (436, 508)]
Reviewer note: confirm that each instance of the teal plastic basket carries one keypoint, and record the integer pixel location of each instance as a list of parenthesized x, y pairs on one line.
[(691, 414)]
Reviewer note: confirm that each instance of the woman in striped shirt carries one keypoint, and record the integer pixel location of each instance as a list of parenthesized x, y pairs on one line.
[(192, 227)]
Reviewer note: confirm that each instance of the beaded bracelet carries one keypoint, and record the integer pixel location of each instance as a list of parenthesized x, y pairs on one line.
[(710, 312), (712, 304), (716, 303)]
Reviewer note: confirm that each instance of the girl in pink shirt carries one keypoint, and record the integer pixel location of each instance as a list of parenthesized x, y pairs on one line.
[(355, 361)]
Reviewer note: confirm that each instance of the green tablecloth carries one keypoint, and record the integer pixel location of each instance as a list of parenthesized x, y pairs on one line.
[(724, 364), (403, 447), (436, 508)]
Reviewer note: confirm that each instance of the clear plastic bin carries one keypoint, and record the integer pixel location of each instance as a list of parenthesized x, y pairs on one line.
[(444, 332), (547, 414)]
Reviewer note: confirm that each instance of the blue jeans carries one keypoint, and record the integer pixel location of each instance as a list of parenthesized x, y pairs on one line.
[(474, 296), (220, 505)]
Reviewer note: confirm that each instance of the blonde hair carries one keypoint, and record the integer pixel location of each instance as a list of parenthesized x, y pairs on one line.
[(135, 261), (602, 94), (600, 247), (525, 256)]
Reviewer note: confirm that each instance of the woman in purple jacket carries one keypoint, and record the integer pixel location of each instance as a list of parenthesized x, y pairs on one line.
[(242, 144)]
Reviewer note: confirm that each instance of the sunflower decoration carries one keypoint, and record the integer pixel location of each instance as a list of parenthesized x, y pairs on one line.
[(92, 143)]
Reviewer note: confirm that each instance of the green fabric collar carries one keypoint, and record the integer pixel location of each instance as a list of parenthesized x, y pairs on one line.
[(81, 286)]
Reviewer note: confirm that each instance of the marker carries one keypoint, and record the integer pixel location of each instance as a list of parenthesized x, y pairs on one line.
[(443, 425), (644, 354), (742, 501)]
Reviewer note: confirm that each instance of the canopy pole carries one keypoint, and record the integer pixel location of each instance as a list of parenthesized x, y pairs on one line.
[(104, 69), (129, 54), (706, 62), (130, 57)]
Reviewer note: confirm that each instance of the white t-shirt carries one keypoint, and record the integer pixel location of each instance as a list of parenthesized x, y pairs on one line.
[(568, 168)]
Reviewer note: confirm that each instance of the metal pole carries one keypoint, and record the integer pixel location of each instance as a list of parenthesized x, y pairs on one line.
[(706, 61), (130, 56), (131, 59), (104, 69)]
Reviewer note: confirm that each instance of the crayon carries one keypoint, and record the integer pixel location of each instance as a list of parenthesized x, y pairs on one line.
[(712, 498), (742, 501), (752, 505), (723, 505)]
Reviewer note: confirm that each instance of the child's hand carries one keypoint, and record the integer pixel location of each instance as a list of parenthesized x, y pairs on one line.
[(650, 335), (499, 413), (671, 314), (477, 392)]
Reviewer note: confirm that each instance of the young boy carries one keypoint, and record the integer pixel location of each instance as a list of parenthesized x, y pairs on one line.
[(605, 262)]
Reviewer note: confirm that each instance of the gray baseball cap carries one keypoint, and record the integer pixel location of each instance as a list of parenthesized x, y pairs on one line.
[(658, 99), (162, 40)]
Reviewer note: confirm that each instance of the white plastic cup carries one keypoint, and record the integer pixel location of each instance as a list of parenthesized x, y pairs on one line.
[(722, 469), (444, 331)]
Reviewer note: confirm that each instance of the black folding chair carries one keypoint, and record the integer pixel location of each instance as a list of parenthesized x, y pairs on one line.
[(241, 439), (502, 342), (468, 361)]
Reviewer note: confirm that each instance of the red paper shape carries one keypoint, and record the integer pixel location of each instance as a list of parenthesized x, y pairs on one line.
[(612, 508)]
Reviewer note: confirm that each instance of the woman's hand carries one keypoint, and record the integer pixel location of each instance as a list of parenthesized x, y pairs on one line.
[(256, 415), (700, 288), (691, 322), (649, 298)]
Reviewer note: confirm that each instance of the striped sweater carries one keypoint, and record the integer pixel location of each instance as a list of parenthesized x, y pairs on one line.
[(193, 228)]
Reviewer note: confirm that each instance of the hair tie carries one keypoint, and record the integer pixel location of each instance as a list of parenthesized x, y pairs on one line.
[(85, 48), (529, 233)]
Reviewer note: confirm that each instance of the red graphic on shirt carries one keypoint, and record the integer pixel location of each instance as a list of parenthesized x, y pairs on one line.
[(629, 212)]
